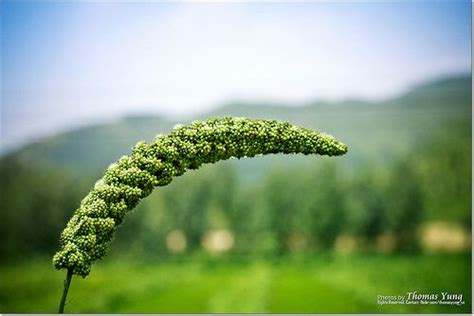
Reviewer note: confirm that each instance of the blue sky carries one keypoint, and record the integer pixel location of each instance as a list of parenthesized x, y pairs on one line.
[(71, 64)]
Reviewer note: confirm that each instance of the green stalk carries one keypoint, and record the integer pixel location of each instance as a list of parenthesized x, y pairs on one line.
[(67, 283)]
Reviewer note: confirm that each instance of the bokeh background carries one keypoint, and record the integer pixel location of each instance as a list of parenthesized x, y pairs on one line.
[(82, 82)]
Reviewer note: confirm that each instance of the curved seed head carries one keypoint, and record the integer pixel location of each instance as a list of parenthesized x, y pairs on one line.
[(131, 178)]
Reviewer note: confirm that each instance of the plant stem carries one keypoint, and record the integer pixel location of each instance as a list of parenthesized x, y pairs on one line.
[(67, 282)]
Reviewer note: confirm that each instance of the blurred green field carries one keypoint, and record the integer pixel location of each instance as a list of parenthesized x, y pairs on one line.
[(406, 178), (298, 284)]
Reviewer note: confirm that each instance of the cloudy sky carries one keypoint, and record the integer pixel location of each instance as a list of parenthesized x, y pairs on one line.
[(67, 64)]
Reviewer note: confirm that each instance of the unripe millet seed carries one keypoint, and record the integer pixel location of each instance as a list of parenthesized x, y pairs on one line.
[(133, 177)]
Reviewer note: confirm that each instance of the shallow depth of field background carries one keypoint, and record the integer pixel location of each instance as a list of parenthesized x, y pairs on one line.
[(82, 83)]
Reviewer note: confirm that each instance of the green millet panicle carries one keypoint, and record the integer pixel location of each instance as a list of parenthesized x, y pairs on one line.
[(133, 177)]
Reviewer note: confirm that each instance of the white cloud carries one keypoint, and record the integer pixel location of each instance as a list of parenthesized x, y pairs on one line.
[(184, 59)]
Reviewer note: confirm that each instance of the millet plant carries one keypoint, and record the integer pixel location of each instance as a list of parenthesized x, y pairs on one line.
[(131, 178)]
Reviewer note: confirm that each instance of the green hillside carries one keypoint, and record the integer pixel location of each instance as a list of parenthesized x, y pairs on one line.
[(90, 149), (409, 163), (375, 132)]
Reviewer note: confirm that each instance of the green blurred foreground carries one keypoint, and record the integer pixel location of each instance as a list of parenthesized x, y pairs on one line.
[(403, 191), (297, 284)]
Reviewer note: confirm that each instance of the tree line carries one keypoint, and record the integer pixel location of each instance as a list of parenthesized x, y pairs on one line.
[(294, 209)]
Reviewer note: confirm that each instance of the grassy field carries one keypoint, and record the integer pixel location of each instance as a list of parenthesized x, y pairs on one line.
[(323, 284)]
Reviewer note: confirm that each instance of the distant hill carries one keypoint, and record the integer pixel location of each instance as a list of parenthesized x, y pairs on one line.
[(90, 149), (375, 132)]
